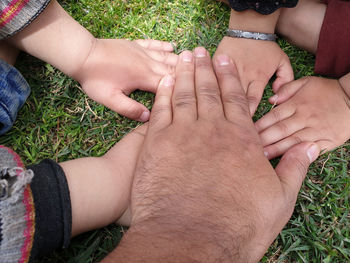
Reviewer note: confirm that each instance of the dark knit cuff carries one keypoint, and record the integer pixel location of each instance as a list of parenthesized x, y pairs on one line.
[(52, 207), (264, 7)]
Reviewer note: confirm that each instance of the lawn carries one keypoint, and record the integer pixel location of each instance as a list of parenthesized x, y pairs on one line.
[(59, 122)]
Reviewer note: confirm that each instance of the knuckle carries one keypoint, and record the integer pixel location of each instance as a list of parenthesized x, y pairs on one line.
[(297, 140), (203, 63), (210, 94), (184, 98), (186, 69), (283, 128), (134, 112), (170, 69), (300, 166), (276, 115), (252, 100), (238, 99)]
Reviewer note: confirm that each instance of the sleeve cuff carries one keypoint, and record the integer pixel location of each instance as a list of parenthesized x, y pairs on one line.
[(15, 15)]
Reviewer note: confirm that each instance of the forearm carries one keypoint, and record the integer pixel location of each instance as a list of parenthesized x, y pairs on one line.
[(99, 192), (345, 84), (100, 186), (56, 38), (250, 20)]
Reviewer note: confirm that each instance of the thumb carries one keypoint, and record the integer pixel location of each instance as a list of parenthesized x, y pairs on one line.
[(254, 93), (284, 74), (127, 107), (288, 91), (293, 167)]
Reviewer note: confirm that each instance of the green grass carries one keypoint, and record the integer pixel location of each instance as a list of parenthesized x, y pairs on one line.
[(56, 122)]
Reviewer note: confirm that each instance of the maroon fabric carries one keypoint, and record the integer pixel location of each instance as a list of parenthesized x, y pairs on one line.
[(333, 52)]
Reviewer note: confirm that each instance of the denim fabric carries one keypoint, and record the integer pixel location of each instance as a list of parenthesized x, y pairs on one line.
[(14, 90)]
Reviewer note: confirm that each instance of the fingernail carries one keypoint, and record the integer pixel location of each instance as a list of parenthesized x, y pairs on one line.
[(274, 98), (167, 81), (313, 152), (200, 52), (223, 60), (187, 56), (144, 116)]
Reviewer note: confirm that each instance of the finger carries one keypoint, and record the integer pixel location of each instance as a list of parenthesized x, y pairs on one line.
[(184, 98), (207, 89), (275, 115), (287, 91), (127, 107), (293, 166), (232, 94), (254, 94), (305, 135), (284, 74), (163, 57), (156, 45), (280, 130), (161, 115)]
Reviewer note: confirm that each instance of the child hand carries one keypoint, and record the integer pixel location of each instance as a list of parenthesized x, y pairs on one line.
[(256, 62), (311, 109), (116, 67)]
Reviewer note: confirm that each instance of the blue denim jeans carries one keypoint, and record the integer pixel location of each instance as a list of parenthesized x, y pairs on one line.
[(14, 90)]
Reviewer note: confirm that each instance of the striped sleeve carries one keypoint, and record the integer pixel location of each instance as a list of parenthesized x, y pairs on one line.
[(15, 15)]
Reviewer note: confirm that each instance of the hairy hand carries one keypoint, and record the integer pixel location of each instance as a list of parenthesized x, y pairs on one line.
[(257, 61), (115, 68), (310, 109), (202, 180)]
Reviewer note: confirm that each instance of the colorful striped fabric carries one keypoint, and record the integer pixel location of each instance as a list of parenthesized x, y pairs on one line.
[(17, 14), (17, 210)]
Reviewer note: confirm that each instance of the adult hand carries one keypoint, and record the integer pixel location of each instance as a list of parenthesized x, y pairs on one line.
[(203, 190), (256, 60), (117, 67), (310, 109)]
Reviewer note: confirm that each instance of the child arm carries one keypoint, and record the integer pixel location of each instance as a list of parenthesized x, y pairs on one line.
[(100, 186)]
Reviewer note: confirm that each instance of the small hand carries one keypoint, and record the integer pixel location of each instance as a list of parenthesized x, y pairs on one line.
[(256, 62), (311, 109), (115, 68)]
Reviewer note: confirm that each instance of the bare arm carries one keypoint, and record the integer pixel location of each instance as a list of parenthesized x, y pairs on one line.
[(56, 38), (100, 186)]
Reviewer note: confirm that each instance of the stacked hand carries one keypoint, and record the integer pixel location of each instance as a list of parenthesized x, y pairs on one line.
[(203, 190), (310, 109), (116, 67), (257, 61)]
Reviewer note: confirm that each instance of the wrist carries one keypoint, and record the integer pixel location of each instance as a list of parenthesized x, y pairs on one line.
[(78, 72), (158, 241), (250, 20)]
